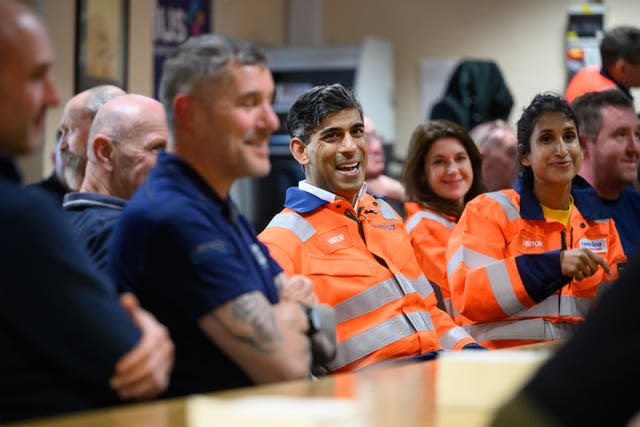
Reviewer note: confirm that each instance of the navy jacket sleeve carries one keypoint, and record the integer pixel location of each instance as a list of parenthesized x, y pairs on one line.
[(53, 299)]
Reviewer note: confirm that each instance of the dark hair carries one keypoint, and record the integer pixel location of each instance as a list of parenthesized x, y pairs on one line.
[(312, 107), (588, 109), (200, 60), (620, 42), (413, 175), (541, 103)]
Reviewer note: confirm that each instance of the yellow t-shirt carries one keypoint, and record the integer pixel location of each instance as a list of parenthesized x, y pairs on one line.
[(560, 215)]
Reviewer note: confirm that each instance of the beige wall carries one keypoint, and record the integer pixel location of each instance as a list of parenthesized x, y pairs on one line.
[(525, 37)]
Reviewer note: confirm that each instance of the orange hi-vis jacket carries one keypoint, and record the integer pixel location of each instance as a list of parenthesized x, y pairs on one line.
[(503, 267), (588, 79), (429, 231), (362, 263)]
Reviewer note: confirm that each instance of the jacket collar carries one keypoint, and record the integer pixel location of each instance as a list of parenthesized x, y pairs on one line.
[(530, 207), (626, 90), (307, 198), (9, 170)]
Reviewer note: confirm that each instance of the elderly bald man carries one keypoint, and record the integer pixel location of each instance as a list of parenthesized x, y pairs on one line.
[(125, 137)]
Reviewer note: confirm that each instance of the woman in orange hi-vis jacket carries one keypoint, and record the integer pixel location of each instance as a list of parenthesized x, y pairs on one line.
[(525, 265), (441, 174)]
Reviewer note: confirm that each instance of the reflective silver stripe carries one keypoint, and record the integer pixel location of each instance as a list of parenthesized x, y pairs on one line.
[(380, 336), (502, 288), (557, 305), (470, 257), (417, 217), (387, 211), (507, 205), (601, 221), (526, 329), (294, 223), (448, 305), (381, 294), (449, 340)]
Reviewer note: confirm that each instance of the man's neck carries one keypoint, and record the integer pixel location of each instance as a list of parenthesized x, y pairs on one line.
[(207, 171), (96, 182), (605, 188)]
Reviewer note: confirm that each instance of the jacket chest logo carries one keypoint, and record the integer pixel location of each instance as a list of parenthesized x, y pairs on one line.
[(333, 240), (597, 245)]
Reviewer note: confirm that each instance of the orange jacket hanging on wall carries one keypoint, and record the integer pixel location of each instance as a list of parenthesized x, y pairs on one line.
[(504, 271), (429, 231), (362, 263)]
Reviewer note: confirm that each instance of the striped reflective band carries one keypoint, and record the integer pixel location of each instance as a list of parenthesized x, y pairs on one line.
[(294, 223), (415, 220), (601, 221), (381, 294), (380, 336), (387, 211), (558, 305), (449, 340), (508, 207), (502, 288), (471, 258), (526, 329), (497, 273)]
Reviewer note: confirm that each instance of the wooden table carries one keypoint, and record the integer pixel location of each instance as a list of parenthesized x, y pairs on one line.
[(406, 387)]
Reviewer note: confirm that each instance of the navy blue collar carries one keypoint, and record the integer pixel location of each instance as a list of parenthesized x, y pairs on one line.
[(530, 207), (626, 91), (302, 201), (9, 170), (82, 200)]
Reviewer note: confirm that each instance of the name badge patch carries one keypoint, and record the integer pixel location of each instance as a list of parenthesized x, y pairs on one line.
[(338, 238), (597, 246)]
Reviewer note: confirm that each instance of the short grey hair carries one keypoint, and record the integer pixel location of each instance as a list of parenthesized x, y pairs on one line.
[(199, 60)]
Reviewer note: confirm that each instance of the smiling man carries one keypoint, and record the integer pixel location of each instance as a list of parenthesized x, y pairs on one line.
[(184, 249), (352, 245), (610, 139)]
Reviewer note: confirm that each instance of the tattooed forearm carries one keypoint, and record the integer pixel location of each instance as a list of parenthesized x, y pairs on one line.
[(256, 322)]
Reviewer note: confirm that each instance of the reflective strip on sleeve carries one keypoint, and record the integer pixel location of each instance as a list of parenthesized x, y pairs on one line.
[(507, 205), (502, 288), (380, 294), (448, 305), (380, 336), (417, 217), (387, 211), (601, 221), (294, 223), (526, 329), (557, 305), (449, 340), (470, 257)]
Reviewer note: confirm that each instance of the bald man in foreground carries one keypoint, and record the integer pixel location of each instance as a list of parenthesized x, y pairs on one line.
[(68, 343), (124, 141)]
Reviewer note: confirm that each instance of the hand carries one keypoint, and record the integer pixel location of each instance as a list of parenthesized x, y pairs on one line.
[(581, 263), (144, 371), (296, 288)]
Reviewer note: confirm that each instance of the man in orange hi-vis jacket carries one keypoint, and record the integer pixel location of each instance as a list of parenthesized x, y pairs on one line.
[(353, 246)]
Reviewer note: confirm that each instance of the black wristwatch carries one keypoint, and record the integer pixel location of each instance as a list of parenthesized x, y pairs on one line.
[(313, 317)]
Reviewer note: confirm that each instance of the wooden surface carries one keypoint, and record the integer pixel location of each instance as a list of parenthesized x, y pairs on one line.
[(397, 394)]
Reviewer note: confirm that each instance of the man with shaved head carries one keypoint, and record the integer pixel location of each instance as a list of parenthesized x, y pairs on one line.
[(123, 144), (75, 124), (68, 343)]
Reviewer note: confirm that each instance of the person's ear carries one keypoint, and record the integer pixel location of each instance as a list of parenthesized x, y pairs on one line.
[(524, 160), (585, 144), (184, 106), (619, 69), (103, 152), (299, 151)]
